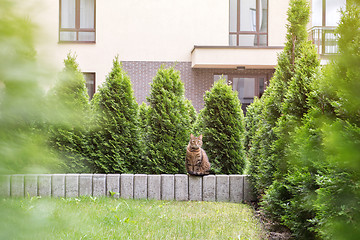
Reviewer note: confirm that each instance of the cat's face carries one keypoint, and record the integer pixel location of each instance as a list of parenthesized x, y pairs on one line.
[(195, 142)]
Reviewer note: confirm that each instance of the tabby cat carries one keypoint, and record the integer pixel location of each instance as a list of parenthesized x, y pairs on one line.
[(197, 162)]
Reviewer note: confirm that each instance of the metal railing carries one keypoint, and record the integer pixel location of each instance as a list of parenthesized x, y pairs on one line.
[(324, 39)]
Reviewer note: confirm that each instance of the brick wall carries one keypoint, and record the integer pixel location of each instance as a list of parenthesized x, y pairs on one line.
[(196, 81)]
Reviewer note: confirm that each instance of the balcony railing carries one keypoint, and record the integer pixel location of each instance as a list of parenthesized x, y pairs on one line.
[(325, 40)]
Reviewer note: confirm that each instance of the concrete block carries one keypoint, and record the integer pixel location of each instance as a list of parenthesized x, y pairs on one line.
[(248, 190), (71, 185), (4, 186), (154, 187), (99, 185), (113, 184), (127, 186), (85, 184), (181, 187), (222, 188), (17, 186), (195, 188), (44, 185), (167, 187), (140, 186), (209, 188), (58, 185), (236, 188), (31, 185)]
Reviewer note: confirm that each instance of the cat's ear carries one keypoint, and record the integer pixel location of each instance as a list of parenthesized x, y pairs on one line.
[(200, 137), (191, 135)]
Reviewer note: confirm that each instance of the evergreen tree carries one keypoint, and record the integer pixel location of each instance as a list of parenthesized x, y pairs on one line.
[(115, 135), (267, 159), (71, 99), (253, 121), (319, 196), (222, 124), (23, 147), (169, 123), (143, 117), (338, 195)]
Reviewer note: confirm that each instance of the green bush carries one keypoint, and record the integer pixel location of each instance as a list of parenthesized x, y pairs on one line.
[(253, 122), (222, 124), (69, 137), (116, 143), (323, 176), (169, 123), (23, 112), (284, 101)]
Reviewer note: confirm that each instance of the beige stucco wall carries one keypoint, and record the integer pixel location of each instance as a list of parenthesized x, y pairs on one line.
[(144, 30), (136, 30), (276, 22)]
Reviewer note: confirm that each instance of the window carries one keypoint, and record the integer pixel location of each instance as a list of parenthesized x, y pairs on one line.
[(248, 22), (248, 88), (325, 18), (326, 12), (90, 83), (77, 21)]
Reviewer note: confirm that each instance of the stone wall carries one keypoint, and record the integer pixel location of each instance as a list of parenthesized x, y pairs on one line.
[(179, 187)]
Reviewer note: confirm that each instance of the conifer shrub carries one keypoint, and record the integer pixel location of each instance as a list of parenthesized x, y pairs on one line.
[(337, 127), (143, 118), (321, 185), (222, 124), (69, 136), (253, 122), (169, 123), (116, 143), (297, 65)]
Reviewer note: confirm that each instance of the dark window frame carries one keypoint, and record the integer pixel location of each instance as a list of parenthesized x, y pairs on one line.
[(94, 83), (256, 87), (257, 33), (77, 28), (255, 76)]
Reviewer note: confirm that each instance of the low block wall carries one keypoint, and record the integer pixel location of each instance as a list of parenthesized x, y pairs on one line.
[(180, 187)]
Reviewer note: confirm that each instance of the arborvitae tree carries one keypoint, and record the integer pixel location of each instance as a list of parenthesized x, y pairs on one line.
[(72, 100), (320, 193), (191, 111), (253, 122), (338, 196), (115, 135), (23, 148), (222, 124), (267, 158), (169, 123), (143, 118)]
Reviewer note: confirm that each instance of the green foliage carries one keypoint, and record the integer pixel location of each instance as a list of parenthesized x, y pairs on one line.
[(22, 89), (143, 118), (169, 123), (191, 111), (115, 137), (222, 124), (253, 121), (284, 102), (69, 136), (317, 194), (336, 134)]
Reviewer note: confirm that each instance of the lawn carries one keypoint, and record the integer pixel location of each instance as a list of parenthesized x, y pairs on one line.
[(109, 218)]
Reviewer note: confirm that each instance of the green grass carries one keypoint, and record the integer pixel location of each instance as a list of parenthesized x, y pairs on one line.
[(108, 218)]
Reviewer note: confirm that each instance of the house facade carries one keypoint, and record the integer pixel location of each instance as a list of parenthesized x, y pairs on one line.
[(204, 39)]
